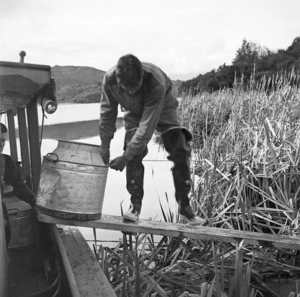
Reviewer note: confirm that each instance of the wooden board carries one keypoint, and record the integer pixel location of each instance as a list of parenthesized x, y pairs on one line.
[(182, 230), (88, 277), (4, 261)]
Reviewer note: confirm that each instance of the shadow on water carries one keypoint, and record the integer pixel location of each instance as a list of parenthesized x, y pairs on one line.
[(73, 131)]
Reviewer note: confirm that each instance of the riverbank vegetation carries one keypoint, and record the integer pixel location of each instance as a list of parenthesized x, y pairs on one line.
[(249, 58), (246, 154)]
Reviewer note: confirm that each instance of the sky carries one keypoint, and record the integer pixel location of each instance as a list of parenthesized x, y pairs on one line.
[(185, 38)]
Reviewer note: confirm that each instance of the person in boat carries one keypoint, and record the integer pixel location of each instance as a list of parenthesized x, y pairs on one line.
[(10, 174), (143, 90)]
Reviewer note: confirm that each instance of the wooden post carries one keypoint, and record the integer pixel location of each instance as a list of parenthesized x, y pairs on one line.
[(12, 135), (4, 264), (34, 142), (24, 145)]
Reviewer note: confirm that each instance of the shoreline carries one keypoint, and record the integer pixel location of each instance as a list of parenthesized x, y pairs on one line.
[(72, 113)]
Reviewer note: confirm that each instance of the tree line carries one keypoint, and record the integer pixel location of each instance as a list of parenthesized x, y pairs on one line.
[(251, 61)]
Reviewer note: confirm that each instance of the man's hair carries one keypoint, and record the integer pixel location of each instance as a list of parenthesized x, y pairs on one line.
[(3, 128), (129, 70)]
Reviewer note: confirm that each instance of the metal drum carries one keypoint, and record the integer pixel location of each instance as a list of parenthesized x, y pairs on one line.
[(22, 223), (72, 182)]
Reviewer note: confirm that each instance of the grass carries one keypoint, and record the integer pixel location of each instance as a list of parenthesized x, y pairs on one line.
[(246, 154)]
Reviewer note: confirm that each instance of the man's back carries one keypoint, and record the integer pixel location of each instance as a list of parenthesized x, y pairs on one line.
[(151, 107), (156, 86)]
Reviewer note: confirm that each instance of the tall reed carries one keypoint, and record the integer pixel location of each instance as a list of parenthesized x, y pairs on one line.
[(246, 153)]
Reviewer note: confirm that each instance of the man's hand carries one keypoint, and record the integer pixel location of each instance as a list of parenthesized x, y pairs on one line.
[(118, 163), (105, 154)]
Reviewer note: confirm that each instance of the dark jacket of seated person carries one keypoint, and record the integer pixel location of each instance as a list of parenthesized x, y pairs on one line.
[(13, 177), (10, 174)]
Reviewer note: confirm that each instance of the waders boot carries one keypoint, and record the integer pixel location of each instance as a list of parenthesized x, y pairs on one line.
[(176, 144)]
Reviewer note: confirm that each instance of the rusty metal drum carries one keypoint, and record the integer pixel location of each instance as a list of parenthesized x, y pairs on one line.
[(72, 182), (22, 223)]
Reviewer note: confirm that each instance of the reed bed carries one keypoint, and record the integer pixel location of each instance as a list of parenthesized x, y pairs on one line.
[(246, 151), (246, 154)]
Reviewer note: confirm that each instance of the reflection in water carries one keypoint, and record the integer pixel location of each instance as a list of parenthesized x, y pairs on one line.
[(73, 131), (70, 131)]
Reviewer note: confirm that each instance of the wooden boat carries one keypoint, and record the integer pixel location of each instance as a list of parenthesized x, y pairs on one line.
[(41, 259)]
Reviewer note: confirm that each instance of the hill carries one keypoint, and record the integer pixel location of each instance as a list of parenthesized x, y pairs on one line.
[(78, 84)]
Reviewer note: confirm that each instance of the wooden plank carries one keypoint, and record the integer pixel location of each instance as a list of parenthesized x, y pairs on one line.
[(4, 260), (24, 66), (34, 143), (88, 275), (182, 230), (65, 261), (12, 135)]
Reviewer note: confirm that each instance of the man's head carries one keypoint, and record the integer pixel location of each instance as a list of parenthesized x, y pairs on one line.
[(3, 132), (129, 73)]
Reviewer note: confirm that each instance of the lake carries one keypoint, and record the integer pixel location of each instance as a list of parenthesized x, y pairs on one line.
[(79, 122)]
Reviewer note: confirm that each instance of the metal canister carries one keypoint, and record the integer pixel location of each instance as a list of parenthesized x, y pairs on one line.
[(72, 182), (22, 223)]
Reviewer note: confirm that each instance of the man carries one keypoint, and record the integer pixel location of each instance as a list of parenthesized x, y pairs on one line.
[(10, 174), (144, 91)]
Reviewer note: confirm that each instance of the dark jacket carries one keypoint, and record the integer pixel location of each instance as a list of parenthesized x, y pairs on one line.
[(12, 176), (152, 107)]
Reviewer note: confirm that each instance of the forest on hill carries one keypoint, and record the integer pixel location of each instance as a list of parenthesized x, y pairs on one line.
[(251, 61)]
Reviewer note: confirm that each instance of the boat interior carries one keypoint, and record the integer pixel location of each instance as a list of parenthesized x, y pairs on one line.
[(40, 259)]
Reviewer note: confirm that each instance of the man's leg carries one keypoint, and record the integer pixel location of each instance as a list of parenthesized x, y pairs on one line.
[(134, 181), (175, 142), (179, 153)]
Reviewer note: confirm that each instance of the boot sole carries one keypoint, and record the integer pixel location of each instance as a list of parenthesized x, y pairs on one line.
[(130, 219)]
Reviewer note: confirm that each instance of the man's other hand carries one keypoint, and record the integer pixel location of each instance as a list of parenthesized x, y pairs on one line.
[(105, 154), (118, 163)]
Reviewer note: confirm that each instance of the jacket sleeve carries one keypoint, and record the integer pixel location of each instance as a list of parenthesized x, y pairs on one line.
[(13, 177), (153, 106), (108, 115)]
